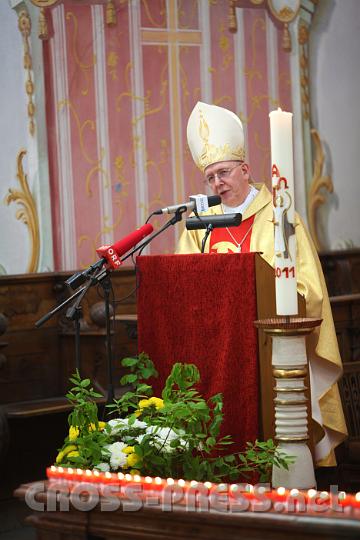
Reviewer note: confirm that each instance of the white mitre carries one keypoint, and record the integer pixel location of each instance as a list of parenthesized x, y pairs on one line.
[(214, 134)]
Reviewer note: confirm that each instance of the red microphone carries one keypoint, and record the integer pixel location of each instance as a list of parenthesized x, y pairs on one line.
[(112, 254)]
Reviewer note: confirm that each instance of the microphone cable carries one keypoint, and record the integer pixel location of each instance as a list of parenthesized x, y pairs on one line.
[(150, 216), (208, 230)]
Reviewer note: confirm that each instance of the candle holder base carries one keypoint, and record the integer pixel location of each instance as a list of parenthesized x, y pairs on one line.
[(288, 325), (289, 364), (300, 474)]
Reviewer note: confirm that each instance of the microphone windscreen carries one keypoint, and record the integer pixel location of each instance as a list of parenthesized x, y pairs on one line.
[(214, 200), (217, 221), (123, 245)]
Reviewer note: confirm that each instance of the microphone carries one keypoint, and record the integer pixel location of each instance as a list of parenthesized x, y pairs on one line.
[(111, 254), (216, 221), (212, 200)]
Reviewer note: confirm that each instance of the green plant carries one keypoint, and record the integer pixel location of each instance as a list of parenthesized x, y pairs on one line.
[(176, 435)]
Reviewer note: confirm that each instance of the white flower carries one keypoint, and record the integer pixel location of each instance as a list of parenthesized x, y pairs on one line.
[(117, 456), (138, 424), (117, 424), (103, 467), (163, 437)]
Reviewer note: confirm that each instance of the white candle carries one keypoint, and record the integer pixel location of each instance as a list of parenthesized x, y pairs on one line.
[(284, 212)]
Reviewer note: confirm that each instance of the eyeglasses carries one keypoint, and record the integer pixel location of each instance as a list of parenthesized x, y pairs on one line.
[(223, 173)]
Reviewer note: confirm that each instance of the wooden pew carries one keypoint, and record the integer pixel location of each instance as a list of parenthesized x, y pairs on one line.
[(34, 371)]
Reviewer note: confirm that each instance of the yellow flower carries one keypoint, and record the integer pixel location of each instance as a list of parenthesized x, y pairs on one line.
[(143, 403), (133, 459), (69, 448), (73, 433), (92, 426), (74, 453), (128, 450), (158, 402)]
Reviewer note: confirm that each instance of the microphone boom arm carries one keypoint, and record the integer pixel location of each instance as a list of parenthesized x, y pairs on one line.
[(175, 219), (104, 272)]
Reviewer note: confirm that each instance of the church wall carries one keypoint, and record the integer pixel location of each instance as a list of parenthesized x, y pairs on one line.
[(335, 90), (116, 131), (117, 102), (13, 136)]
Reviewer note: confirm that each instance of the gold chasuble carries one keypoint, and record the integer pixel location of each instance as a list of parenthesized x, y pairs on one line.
[(324, 359)]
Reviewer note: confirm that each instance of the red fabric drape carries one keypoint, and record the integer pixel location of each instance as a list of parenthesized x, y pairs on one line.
[(200, 309), (222, 239)]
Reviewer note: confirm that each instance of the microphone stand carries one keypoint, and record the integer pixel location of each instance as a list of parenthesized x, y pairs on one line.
[(209, 228), (74, 314), (106, 285), (96, 274), (175, 219)]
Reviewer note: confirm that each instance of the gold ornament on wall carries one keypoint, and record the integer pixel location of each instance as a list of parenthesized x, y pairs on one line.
[(43, 31), (284, 11), (232, 16), (303, 38), (24, 24), (110, 13), (44, 3), (316, 198), (28, 213)]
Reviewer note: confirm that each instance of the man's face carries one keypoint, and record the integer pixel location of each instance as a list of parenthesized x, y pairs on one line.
[(230, 180)]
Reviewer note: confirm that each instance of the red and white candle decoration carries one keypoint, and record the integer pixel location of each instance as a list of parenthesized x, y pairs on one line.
[(280, 500), (282, 172)]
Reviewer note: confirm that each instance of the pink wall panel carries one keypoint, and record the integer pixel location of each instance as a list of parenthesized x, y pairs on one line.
[(153, 13), (284, 76), (257, 95), (170, 75), (159, 150), (85, 158), (222, 57), (53, 157), (188, 14), (119, 101), (190, 94)]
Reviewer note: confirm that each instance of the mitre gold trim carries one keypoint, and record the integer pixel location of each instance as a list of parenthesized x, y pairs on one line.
[(212, 153)]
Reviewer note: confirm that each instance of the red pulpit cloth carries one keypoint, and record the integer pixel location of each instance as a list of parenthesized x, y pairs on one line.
[(200, 309)]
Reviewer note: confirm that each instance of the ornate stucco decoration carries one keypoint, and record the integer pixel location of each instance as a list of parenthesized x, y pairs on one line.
[(24, 24), (284, 11), (303, 38), (316, 198), (298, 13), (27, 213), (43, 32)]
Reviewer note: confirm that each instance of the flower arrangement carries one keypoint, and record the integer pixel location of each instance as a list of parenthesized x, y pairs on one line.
[(175, 436)]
